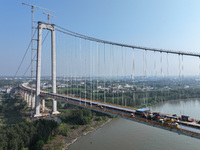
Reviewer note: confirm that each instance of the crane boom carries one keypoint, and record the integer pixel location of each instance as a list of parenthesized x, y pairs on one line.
[(38, 7), (32, 49)]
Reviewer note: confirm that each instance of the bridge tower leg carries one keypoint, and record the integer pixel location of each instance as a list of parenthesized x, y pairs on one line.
[(53, 70), (38, 72)]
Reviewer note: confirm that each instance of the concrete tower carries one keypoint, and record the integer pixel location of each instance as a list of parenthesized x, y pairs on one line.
[(50, 27)]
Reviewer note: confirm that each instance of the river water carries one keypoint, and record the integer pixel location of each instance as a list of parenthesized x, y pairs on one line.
[(122, 134)]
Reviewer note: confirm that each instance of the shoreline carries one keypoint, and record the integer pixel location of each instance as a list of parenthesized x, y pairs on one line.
[(71, 141)]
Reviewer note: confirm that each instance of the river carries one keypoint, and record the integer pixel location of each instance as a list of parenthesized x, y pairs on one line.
[(122, 134)]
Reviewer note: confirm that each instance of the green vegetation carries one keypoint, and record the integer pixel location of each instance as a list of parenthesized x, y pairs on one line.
[(78, 116), (9, 82), (140, 93), (31, 135), (17, 132), (10, 110)]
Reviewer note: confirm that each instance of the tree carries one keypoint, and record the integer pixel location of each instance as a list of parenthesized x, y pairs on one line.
[(39, 145)]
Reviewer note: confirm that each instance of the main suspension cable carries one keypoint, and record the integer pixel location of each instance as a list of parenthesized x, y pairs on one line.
[(65, 31)]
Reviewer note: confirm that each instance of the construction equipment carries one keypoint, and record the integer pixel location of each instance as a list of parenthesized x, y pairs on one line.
[(32, 39), (48, 15)]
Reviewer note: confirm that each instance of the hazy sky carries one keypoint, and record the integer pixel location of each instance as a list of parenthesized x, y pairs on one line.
[(169, 24)]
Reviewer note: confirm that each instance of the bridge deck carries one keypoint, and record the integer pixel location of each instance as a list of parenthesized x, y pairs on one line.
[(186, 128)]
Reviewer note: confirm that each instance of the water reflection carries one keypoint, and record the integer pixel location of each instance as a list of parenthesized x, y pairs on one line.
[(188, 107)]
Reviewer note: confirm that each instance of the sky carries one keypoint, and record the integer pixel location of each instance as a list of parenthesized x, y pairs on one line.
[(163, 24)]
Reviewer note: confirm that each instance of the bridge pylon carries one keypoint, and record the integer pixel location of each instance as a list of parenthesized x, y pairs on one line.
[(51, 27)]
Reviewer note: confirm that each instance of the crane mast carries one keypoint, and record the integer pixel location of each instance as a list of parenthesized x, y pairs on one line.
[(32, 46)]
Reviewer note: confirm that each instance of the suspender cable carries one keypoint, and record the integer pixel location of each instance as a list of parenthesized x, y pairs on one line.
[(71, 69), (65, 64), (80, 71), (155, 74), (167, 75), (64, 58), (118, 52), (97, 70), (199, 66), (161, 71), (91, 69), (113, 76), (73, 66), (146, 78), (125, 75), (94, 73), (76, 71), (179, 76), (111, 72), (144, 100), (85, 73), (180, 80), (60, 59), (133, 76), (122, 73), (182, 76), (104, 73), (67, 53), (182, 93)]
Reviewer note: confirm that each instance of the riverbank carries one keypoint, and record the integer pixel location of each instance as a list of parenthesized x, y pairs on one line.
[(75, 138), (63, 142)]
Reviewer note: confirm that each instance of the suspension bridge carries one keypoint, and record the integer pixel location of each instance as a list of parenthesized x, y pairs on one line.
[(109, 77)]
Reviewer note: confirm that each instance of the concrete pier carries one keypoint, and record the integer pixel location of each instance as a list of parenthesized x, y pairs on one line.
[(33, 102), (29, 99), (43, 105)]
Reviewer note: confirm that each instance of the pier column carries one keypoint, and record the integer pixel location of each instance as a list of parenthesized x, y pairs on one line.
[(29, 100), (26, 97), (33, 101), (43, 105)]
